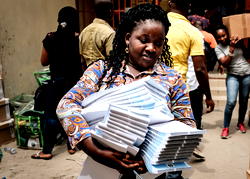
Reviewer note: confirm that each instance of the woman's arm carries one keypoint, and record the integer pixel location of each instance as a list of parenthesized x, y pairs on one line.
[(78, 130), (44, 57), (180, 103), (228, 58), (113, 159)]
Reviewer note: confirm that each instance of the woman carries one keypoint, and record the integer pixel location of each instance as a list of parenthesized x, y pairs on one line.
[(231, 54), (139, 50), (61, 52)]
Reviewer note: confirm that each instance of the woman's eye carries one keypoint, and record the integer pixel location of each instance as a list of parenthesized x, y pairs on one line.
[(159, 44), (143, 40)]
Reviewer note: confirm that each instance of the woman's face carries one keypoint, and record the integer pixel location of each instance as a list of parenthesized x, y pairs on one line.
[(145, 44), (222, 36)]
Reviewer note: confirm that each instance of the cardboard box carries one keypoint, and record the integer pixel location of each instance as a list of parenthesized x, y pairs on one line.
[(238, 25), (7, 131), (4, 109)]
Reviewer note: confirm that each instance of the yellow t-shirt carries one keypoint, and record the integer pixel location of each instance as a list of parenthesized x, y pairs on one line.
[(184, 40), (96, 40)]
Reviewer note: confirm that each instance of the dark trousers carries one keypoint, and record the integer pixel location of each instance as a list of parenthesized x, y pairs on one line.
[(51, 129), (51, 125), (196, 99)]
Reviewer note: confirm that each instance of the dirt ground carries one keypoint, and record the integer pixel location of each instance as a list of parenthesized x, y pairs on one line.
[(225, 159)]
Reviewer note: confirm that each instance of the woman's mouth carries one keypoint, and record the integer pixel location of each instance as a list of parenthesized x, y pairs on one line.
[(148, 57)]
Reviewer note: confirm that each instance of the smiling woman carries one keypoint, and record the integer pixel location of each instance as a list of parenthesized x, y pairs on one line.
[(139, 50)]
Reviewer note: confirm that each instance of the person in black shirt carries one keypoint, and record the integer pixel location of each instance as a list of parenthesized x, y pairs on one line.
[(61, 52)]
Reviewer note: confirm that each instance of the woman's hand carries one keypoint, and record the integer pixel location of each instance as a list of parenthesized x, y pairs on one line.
[(117, 160), (141, 168), (233, 42)]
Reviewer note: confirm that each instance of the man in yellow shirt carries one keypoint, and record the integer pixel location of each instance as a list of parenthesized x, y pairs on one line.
[(185, 40), (96, 39)]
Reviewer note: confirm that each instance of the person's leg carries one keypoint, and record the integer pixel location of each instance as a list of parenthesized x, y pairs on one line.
[(50, 135), (243, 97), (51, 125), (196, 99), (232, 83)]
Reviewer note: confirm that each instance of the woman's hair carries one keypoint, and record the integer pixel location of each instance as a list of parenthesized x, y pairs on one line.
[(68, 20), (128, 22)]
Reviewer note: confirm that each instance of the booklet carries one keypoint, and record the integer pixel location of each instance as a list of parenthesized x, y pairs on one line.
[(135, 118)]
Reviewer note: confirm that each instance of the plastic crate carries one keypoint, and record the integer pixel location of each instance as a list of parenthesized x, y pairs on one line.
[(20, 101), (27, 123), (42, 76), (28, 129)]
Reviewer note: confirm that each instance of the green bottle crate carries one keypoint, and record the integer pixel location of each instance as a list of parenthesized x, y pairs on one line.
[(28, 130), (42, 76), (27, 122)]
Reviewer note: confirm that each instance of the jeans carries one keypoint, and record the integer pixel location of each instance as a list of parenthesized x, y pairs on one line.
[(236, 84), (51, 124), (51, 128)]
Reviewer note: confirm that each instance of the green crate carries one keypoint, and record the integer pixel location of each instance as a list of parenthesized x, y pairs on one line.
[(42, 76), (27, 126), (21, 100), (28, 130)]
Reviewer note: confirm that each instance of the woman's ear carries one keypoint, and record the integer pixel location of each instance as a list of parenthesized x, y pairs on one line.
[(127, 37)]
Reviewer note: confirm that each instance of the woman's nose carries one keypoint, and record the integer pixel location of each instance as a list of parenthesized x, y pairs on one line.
[(151, 47)]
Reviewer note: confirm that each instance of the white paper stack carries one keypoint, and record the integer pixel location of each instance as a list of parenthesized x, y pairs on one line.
[(144, 94), (125, 126), (169, 145), (135, 118)]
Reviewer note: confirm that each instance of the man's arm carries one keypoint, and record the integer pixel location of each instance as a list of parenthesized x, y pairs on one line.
[(202, 77)]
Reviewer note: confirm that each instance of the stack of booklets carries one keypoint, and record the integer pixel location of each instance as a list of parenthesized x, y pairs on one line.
[(169, 145), (135, 118), (144, 94)]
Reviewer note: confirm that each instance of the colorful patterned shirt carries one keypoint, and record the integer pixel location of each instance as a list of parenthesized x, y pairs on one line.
[(69, 108)]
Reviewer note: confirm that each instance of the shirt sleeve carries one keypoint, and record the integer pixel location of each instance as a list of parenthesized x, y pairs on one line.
[(109, 42), (196, 43), (47, 41), (69, 108), (219, 52), (180, 101)]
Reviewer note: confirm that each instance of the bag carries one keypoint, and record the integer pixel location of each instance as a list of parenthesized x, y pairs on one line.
[(40, 97)]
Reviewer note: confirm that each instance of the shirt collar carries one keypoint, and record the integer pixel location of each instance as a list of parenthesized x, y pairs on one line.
[(174, 15), (100, 21), (158, 69)]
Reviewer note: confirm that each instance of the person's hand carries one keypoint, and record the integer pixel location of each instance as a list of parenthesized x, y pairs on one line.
[(221, 69), (113, 159), (210, 105), (119, 161), (141, 168), (234, 40)]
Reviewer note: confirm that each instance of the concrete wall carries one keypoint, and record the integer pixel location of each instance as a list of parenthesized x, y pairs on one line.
[(23, 25)]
